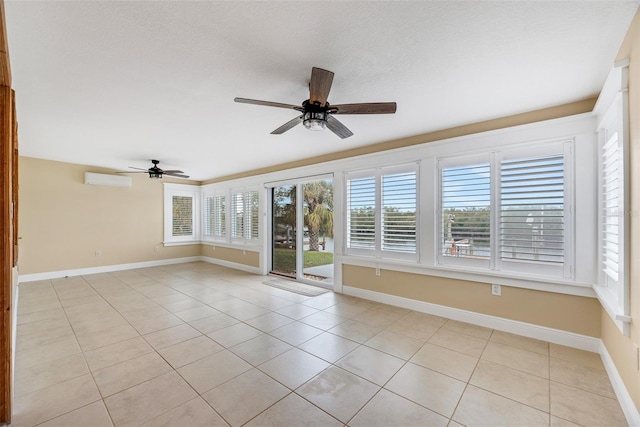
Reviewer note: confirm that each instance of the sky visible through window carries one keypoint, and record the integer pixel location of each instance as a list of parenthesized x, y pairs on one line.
[(531, 203)]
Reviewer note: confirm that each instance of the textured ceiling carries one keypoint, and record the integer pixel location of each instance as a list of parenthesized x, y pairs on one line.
[(115, 84)]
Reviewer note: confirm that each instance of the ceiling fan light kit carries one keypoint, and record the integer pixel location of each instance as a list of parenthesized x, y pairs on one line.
[(317, 113), (314, 117)]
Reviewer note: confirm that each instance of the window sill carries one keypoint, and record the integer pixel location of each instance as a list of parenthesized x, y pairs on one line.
[(232, 245), (538, 283), (182, 243), (608, 302)]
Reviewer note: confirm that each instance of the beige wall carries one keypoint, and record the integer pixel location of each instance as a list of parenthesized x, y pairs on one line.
[(623, 349), (63, 222), (576, 314), (237, 256)]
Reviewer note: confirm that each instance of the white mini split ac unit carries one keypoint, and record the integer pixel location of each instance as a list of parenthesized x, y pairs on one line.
[(91, 178)]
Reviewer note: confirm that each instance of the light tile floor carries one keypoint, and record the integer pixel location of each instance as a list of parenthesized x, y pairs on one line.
[(203, 345)]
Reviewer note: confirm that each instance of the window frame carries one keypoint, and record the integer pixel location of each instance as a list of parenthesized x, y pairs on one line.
[(182, 190), (566, 270), (206, 225), (247, 237), (440, 223), (378, 251), (494, 263), (612, 112)]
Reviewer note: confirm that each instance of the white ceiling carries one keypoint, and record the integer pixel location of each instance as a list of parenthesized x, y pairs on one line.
[(115, 84)]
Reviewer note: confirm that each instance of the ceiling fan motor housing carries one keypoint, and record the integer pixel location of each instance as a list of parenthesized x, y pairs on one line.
[(155, 171), (315, 115)]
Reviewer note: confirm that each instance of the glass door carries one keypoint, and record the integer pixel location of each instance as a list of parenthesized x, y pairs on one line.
[(306, 255), (317, 208), (284, 252)]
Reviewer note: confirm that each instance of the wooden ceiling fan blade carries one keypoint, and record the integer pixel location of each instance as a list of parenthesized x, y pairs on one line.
[(171, 171), (140, 169), (179, 175), (285, 127), (337, 127), (320, 85), (267, 103), (365, 108)]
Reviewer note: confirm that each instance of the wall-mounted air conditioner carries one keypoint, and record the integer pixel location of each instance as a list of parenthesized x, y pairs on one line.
[(109, 180)]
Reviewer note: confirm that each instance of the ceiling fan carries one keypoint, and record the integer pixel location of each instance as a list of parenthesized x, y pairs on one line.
[(317, 113), (156, 172)]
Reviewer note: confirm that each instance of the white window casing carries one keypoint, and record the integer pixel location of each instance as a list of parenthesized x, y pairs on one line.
[(509, 210), (382, 213), (181, 214)]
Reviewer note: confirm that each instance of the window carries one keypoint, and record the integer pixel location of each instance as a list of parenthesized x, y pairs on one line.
[(466, 210), (508, 211), (214, 226), (181, 214), (610, 203), (399, 212), (245, 216), (361, 218), (532, 210), (182, 218), (382, 212), (612, 110)]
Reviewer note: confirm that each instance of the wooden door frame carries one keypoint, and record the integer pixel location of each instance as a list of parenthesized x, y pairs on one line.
[(8, 218)]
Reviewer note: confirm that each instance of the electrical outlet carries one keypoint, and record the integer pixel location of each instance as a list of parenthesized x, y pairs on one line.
[(244, 252), (377, 271), (98, 253), (496, 289), (637, 356)]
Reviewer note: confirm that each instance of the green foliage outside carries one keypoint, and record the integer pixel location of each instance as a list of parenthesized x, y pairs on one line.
[(285, 259), (318, 209), (402, 223)]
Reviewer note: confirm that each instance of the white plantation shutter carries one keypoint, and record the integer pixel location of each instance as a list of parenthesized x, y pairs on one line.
[(182, 222), (252, 215), (245, 216), (614, 218), (382, 212), (610, 203), (214, 216), (237, 216), (361, 220), (532, 225), (466, 220), (399, 212)]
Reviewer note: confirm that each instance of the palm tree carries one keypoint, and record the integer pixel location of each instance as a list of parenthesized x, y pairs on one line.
[(318, 211)]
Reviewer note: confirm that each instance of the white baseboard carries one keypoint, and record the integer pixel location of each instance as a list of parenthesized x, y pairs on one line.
[(626, 402), (23, 278), (555, 336), (241, 267)]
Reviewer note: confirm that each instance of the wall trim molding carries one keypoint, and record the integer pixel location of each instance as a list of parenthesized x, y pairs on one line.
[(556, 336), (24, 278), (626, 402), (242, 267)]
